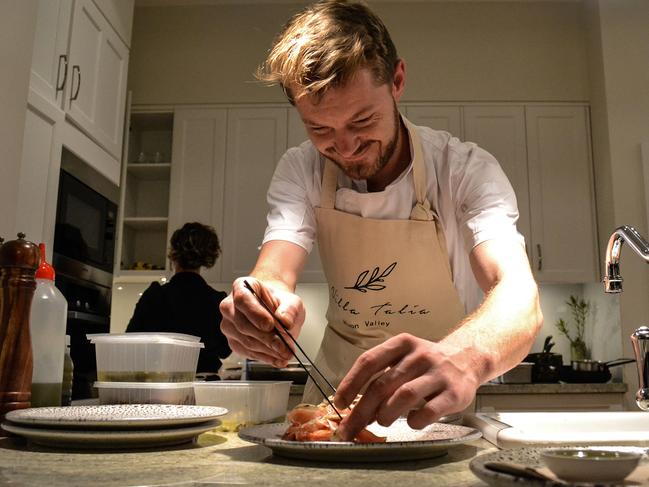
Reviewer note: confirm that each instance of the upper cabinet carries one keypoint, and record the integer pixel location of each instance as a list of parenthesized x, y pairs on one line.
[(223, 160), (501, 131), (564, 237), (50, 56), (545, 152), (198, 172), (438, 117), (96, 87), (256, 139), (80, 65)]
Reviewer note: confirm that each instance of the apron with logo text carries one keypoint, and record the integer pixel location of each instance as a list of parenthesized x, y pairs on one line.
[(385, 277)]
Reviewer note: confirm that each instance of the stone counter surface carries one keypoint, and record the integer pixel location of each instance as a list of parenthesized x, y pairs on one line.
[(221, 459), (559, 388)]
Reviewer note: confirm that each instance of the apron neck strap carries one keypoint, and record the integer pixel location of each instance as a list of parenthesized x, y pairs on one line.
[(422, 209), (329, 185)]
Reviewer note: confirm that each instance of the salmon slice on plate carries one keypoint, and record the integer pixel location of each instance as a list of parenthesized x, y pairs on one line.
[(320, 422)]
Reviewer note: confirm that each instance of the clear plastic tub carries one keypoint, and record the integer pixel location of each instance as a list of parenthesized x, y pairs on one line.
[(248, 402), (145, 393), (146, 357)]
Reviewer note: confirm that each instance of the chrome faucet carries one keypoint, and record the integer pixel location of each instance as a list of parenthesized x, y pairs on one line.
[(625, 233), (613, 284)]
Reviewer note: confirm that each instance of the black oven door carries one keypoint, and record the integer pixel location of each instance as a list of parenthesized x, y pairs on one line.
[(85, 224), (82, 352), (88, 293)]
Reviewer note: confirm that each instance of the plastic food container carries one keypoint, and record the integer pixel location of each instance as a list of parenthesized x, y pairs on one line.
[(146, 357), (248, 402), (145, 393)]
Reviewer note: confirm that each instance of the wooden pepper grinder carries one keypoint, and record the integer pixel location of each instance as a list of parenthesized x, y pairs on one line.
[(19, 261)]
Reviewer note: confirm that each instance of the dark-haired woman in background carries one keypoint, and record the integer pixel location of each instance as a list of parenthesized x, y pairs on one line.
[(187, 304)]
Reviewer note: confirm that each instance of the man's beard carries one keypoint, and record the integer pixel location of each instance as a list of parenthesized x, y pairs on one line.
[(363, 171)]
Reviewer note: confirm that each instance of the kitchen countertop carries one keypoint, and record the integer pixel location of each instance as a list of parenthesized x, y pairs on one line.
[(560, 388), (221, 459)]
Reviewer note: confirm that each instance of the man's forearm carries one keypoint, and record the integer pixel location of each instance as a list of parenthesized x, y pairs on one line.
[(279, 264), (501, 331)]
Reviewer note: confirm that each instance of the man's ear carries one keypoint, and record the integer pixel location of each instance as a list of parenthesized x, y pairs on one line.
[(399, 80)]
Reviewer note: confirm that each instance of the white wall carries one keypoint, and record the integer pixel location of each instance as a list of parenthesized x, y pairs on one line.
[(17, 24), (454, 51)]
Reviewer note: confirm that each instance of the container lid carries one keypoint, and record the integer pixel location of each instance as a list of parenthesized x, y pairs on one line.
[(45, 270), (144, 338), (240, 383), (143, 385), (177, 336)]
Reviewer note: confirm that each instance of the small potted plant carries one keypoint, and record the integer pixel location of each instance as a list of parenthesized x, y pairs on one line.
[(579, 309)]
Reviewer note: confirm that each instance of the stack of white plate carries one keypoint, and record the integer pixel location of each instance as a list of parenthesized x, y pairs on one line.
[(119, 426)]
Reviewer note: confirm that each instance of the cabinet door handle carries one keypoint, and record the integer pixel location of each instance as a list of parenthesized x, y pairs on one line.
[(61, 84), (539, 263), (78, 71)]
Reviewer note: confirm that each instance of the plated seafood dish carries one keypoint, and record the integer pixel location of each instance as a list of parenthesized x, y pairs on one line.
[(309, 422)]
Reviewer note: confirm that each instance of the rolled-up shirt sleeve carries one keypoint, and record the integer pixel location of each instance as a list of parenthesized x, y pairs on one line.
[(485, 202), (291, 216)]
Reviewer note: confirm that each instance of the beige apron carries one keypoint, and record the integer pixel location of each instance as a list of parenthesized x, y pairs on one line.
[(385, 276)]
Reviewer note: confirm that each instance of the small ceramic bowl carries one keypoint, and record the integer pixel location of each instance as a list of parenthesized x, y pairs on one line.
[(590, 465)]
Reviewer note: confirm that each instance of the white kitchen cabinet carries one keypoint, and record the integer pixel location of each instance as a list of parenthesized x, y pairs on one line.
[(119, 14), (96, 89), (256, 139), (144, 198), (564, 240), (500, 130), (79, 64), (39, 171), (198, 172), (438, 117), (49, 71), (224, 159)]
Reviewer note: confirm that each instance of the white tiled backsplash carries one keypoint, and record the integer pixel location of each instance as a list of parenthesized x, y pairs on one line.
[(603, 329)]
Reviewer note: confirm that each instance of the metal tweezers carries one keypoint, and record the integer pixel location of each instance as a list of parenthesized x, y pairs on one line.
[(281, 337)]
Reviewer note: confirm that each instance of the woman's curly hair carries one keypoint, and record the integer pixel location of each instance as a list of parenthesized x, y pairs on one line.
[(194, 245)]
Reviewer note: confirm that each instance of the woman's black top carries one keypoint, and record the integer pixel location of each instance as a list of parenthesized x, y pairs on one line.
[(186, 304)]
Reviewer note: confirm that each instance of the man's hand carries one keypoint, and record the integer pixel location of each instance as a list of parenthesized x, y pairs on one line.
[(428, 380), (423, 379), (249, 328)]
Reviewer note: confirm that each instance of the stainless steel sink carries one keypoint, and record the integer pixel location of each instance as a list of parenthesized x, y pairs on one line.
[(516, 430)]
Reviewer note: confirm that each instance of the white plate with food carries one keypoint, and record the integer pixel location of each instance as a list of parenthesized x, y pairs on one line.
[(401, 442), (110, 439), (115, 416)]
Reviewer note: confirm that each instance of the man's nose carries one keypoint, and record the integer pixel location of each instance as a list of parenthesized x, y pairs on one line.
[(346, 144)]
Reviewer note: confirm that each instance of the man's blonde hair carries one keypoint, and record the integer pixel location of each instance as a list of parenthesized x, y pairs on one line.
[(324, 45)]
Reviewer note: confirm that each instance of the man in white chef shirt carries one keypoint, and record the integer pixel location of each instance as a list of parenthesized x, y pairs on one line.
[(430, 290)]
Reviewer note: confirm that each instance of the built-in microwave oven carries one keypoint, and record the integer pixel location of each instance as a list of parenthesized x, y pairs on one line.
[(85, 224)]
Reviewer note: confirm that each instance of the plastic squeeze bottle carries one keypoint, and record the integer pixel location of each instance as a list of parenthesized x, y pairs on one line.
[(47, 326)]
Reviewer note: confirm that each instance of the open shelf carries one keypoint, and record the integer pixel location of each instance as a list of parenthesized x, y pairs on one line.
[(146, 223), (146, 171), (145, 197)]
